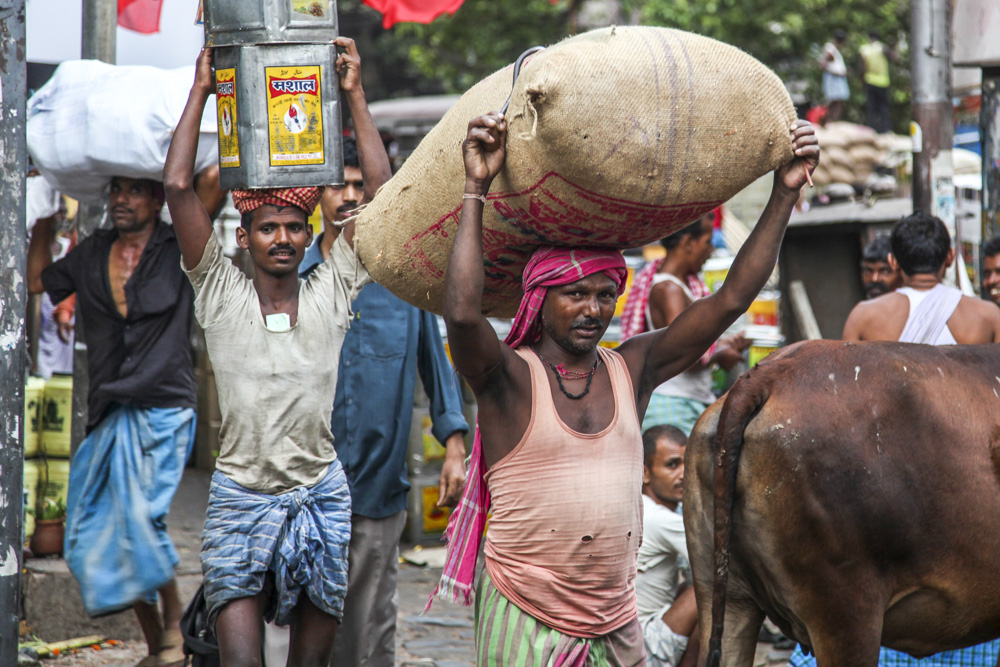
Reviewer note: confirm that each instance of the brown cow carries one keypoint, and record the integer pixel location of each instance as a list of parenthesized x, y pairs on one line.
[(853, 496)]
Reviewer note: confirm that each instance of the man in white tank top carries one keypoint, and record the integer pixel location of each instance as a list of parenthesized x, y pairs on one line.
[(557, 387), (923, 310)]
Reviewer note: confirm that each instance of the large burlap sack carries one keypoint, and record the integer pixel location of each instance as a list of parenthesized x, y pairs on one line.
[(92, 121), (615, 138)]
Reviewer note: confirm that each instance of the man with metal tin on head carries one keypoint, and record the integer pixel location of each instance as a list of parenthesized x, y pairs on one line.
[(389, 343), (558, 455), (278, 526)]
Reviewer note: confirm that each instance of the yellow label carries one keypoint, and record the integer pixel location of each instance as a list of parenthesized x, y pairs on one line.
[(225, 97), (435, 518), (294, 115)]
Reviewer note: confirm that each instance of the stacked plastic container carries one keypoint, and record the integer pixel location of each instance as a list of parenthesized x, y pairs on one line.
[(48, 408)]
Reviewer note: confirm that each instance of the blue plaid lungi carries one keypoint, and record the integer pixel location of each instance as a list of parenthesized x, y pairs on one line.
[(980, 655), (673, 410), (121, 482), (300, 537)]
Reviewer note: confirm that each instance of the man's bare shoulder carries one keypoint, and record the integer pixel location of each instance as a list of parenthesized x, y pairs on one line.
[(979, 321), (881, 318), (881, 306)]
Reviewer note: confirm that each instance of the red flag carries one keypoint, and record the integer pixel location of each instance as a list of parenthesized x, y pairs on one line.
[(140, 15), (411, 11)]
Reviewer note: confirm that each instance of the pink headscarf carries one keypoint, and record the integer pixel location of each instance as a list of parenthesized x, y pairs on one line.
[(548, 267)]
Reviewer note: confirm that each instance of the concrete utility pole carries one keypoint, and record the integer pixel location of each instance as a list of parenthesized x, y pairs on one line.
[(930, 65), (100, 25), (13, 305), (989, 121), (100, 31)]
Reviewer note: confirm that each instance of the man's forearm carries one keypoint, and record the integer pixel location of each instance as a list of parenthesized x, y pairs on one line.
[(756, 259), (178, 172), (464, 279), (39, 253), (375, 167)]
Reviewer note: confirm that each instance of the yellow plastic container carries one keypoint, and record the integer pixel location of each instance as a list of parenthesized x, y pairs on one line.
[(759, 350), (33, 393), (58, 479), (31, 477), (57, 416)]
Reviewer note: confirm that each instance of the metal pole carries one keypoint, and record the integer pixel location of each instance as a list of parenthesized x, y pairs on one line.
[(989, 121), (13, 305), (100, 23), (930, 61)]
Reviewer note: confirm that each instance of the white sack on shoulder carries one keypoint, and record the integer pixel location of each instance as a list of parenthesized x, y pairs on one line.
[(92, 121)]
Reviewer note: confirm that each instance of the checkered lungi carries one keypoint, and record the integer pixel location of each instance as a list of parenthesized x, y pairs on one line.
[(980, 655), (673, 410), (300, 537)]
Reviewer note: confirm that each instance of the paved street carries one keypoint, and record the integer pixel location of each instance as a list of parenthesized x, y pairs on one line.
[(441, 638)]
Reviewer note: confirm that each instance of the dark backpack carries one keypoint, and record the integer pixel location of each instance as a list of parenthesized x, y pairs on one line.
[(201, 649)]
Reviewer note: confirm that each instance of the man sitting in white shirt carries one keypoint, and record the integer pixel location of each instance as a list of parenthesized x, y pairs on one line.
[(668, 615)]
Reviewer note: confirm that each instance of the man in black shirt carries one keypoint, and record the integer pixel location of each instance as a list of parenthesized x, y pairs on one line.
[(136, 307)]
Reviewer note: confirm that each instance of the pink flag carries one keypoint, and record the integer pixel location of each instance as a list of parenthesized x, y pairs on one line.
[(411, 11), (140, 15)]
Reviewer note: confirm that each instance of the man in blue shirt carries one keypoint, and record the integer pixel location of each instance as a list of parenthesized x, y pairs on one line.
[(388, 343)]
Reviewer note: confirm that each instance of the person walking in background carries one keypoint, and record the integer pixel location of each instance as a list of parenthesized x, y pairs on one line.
[(136, 306), (923, 310), (661, 291), (835, 88), (991, 270), (876, 56), (878, 276)]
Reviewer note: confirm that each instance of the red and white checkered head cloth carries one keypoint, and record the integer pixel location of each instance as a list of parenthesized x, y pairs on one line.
[(304, 198)]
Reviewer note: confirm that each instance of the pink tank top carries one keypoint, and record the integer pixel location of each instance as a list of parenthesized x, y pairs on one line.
[(564, 535)]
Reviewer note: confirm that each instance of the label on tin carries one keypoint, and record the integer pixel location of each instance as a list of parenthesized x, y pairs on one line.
[(225, 98), (311, 9), (294, 115)]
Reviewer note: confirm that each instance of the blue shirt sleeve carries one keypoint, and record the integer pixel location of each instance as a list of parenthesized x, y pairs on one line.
[(440, 381)]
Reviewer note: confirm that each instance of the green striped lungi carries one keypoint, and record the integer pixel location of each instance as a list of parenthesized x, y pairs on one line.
[(506, 636)]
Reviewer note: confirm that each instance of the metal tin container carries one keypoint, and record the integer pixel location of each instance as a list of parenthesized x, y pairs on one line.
[(239, 22), (279, 116)]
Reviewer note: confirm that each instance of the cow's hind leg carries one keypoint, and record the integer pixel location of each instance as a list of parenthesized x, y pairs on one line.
[(852, 642), (739, 637)]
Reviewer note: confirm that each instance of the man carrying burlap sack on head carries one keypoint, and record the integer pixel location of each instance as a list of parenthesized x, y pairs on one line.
[(558, 453)]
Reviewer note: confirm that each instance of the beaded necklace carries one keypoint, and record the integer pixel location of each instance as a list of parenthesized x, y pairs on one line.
[(561, 373)]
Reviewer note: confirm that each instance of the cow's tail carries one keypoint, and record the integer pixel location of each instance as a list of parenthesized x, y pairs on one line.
[(744, 400)]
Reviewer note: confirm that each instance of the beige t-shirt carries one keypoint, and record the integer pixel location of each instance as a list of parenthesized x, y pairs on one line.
[(275, 389)]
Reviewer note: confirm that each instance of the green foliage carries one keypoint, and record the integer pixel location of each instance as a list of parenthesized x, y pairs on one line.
[(48, 509), (484, 35), (788, 35), (481, 37)]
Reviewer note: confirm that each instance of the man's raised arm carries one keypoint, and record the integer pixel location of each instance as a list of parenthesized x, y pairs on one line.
[(191, 221), (475, 348), (375, 167), (672, 350)]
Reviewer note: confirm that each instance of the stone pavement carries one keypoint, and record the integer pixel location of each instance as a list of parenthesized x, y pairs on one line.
[(441, 638)]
